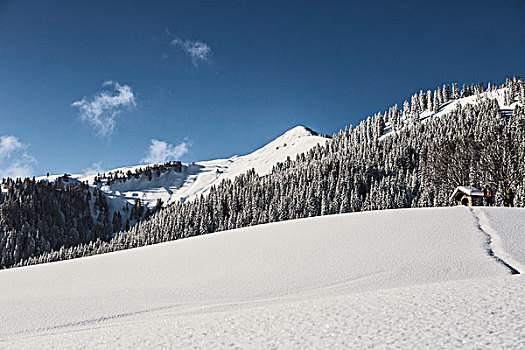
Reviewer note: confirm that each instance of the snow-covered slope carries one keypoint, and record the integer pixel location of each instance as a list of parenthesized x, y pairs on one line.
[(497, 94), (197, 178), (398, 278)]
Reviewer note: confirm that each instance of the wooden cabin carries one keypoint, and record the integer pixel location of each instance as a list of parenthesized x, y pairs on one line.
[(467, 196)]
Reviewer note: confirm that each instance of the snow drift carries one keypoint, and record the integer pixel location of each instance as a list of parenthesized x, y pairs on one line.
[(247, 287)]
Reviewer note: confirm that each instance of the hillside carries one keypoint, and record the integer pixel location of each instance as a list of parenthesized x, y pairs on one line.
[(390, 278), (426, 111)]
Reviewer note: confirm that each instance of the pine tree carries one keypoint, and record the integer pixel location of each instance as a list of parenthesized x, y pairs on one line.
[(455, 91), (430, 106)]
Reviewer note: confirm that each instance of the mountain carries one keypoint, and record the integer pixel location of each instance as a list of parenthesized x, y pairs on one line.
[(410, 278), (196, 178)]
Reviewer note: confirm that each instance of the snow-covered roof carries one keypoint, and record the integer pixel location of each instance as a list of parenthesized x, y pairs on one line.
[(469, 191)]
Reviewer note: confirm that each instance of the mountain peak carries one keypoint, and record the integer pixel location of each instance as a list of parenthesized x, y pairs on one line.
[(299, 131)]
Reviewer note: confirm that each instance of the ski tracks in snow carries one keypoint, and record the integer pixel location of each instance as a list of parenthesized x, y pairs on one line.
[(495, 243)]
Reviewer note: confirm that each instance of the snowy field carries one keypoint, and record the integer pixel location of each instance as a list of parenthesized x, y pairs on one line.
[(421, 278)]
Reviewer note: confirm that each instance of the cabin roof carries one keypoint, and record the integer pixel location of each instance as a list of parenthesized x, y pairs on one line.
[(469, 191)]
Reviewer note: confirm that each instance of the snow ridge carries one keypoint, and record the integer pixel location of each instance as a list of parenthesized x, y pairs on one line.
[(494, 243), (198, 177)]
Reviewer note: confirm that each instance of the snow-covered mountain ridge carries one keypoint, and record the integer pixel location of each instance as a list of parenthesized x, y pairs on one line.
[(197, 177)]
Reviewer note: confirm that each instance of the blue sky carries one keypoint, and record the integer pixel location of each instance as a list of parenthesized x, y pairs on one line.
[(102, 84)]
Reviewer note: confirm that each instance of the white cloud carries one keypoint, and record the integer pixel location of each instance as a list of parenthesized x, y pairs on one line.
[(10, 144), (14, 159), (198, 50), (100, 110), (161, 151), (94, 169), (17, 169)]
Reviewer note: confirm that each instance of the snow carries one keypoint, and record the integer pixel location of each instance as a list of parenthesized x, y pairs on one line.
[(497, 94), (506, 226), (407, 278), (470, 314)]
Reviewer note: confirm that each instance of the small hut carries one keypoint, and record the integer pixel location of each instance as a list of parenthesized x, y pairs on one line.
[(467, 196)]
